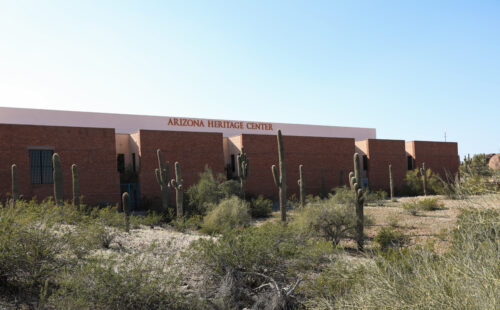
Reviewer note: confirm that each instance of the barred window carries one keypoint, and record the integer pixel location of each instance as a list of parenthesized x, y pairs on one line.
[(41, 166)]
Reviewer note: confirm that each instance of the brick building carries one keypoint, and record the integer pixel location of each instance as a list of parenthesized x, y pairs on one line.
[(377, 155), (31, 149), (440, 157), (109, 148), (332, 155)]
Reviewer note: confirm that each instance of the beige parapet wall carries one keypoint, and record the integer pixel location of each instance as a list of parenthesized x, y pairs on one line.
[(127, 124)]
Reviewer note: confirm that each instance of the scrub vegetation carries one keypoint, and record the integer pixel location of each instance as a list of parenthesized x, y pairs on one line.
[(353, 249)]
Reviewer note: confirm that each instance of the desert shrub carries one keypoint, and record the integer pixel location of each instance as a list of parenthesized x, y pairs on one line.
[(328, 220), (229, 188), (469, 184), (427, 204), (151, 219), (261, 207), (184, 224), (343, 195), (411, 207), (88, 236), (388, 237), (375, 197), (109, 216), (336, 280), (32, 249), (210, 190), (414, 185), (476, 166), (134, 283), (258, 266), (229, 213), (311, 198), (430, 204)]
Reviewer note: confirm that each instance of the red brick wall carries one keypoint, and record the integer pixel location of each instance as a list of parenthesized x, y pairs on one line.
[(441, 157), (193, 150), (380, 154), (315, 153), (92, 149)]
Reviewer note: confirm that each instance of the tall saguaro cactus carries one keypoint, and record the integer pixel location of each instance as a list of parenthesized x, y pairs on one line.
[(243, 170), (58, 180), (355, 182), (76, 186), (163, 176), (302, 187), (177, 184), (423, 172), (126, 210), (280, 180), (15, 188), (391, 183)]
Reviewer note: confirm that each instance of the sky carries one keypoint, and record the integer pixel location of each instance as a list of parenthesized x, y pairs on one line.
[(411, 69)]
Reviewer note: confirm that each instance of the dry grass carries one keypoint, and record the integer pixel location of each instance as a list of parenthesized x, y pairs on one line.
[(426, 226)]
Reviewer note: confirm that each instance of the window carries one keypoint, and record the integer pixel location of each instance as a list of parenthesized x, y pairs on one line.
[(233, 164), (120, 163), (365, 162), (41, 166), (411, 162)]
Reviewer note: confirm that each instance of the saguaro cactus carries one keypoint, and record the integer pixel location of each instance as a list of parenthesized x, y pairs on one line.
[(163, 176), (355, 182), (177, 184), (391, 183), (76, 186), (243, 170), (126, 210), (15, 188), (302, 187), (58, 180), (280, 180), (423, 172)]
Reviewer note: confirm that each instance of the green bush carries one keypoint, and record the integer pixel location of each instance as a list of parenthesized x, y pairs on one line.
[(328, 220), (210, 190), (261, 207), (258, 266), (229, 188), (343, 195), (133, 283), (476, 166), (184, 224), (229, 213), (388, 237), (415, 187), (427, 204), (411, 207), (430, 204), (32, 247), (376, 197)]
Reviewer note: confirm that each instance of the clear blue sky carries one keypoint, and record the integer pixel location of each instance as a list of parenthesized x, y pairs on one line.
[(411, 69)]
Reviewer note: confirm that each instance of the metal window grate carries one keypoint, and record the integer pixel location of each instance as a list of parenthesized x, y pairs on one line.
[(41, 166)]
